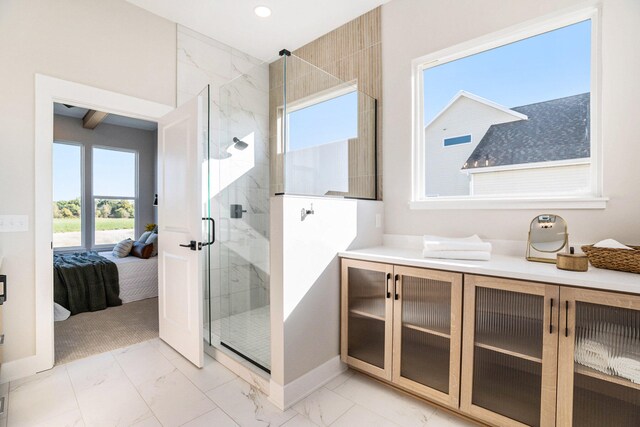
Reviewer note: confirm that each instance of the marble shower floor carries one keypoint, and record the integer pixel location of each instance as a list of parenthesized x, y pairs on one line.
[(149, 384), (248, 332)]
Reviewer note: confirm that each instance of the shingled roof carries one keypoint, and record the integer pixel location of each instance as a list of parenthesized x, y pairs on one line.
[(556, 130)]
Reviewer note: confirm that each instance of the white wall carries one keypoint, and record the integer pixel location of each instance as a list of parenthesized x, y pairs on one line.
[(69, 129), (305, 279), (413, 28), (108, 44)]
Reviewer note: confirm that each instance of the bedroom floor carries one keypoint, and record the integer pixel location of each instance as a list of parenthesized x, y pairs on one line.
[(86, 334), (149, 384)]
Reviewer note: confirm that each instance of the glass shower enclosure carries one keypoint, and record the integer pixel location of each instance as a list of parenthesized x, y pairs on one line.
[(237, 288), (287, 127)]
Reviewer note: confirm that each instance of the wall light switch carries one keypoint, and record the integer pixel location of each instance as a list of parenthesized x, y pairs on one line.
[(378, 220), (13, 223)]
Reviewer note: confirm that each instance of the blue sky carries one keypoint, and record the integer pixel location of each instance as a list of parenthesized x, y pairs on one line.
[(329, 121), (548, 66), (113, 172)]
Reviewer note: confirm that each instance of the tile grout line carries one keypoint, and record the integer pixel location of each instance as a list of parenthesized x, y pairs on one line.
[(75, 395), (153, 414), (357, 404)]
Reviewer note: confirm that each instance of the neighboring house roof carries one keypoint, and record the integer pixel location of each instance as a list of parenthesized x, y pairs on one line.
[(556, 130), (481, 100)]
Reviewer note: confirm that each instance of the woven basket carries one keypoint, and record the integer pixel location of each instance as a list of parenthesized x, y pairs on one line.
[(614, 259)]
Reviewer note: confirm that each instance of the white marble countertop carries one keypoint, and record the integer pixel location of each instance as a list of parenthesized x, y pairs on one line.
[(504, 266)]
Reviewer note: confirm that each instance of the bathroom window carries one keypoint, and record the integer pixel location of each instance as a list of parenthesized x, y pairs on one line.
[(329, 119), (320, 130), (527, 99)]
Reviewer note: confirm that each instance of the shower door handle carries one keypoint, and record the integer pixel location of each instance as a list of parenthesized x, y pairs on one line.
[(212, 237)]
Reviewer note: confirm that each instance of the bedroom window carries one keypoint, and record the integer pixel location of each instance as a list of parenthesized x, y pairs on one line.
[(528, 100), (67, 196), (114, 195)]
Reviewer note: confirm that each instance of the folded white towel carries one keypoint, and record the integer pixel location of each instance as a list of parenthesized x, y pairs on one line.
[(466, 255), (593, 354), (626, 367), (611, 244), (471, 243)]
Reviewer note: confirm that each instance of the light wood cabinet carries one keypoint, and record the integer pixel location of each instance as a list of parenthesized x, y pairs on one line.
[(599, 355), (367, 317), (504, 352), (404, 325), (509, 356)]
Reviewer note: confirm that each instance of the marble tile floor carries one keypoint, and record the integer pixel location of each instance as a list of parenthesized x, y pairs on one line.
[(149, 384)]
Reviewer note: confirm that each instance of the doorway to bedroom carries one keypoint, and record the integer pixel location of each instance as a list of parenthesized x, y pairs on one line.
[(105, 237)]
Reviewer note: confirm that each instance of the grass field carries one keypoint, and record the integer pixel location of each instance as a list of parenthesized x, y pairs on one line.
[(69, 225)]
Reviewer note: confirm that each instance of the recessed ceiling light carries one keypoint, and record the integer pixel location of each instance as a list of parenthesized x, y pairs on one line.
[(262, 11)]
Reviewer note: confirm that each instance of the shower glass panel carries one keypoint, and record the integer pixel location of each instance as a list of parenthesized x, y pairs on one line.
[(325, 133), (239, 303)]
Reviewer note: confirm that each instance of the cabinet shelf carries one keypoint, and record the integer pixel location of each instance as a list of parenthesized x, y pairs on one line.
[(444, 333), (366, 314), (513, 346), (589, 372)]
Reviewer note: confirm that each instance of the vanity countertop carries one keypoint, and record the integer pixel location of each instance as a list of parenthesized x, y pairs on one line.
[(504, 266)]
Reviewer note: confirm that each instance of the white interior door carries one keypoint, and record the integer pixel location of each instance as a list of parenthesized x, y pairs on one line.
[(181, 136)]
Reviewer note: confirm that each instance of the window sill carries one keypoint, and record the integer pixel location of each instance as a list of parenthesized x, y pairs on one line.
[(505, 204)]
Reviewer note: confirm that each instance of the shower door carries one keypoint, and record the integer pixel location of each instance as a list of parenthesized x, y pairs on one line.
[(239, 291)]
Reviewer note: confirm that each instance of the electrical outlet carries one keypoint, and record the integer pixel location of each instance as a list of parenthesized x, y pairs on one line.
[(378, 220), (13, 223)]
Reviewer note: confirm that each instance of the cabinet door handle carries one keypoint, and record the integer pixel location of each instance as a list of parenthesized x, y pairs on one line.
[(551, 317), (395, 286), (388, 283), (566, 319)]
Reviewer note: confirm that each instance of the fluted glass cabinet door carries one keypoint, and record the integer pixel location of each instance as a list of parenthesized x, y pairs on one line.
[(427, 332), (367, 316), (599, 359), (510, 351)]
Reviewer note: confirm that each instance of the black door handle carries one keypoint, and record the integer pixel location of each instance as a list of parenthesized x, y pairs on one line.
[(212, 238), (395, 287), (193, 245)]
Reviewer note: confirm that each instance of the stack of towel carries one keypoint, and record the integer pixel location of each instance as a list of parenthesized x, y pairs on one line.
[(611, 349), (468, 248)]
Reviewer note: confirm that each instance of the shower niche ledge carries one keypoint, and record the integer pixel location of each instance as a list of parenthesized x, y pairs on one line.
[(500, 351)]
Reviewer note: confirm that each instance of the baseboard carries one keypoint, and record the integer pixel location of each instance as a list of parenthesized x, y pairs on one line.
[(298, 389), (17, 369)]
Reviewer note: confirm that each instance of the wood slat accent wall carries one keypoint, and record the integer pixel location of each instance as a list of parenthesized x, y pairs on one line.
[(352, 53)]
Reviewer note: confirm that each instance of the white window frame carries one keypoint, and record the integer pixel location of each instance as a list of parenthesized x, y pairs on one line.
[(317, 98), (94, 197), (593, 200), (83, 202)]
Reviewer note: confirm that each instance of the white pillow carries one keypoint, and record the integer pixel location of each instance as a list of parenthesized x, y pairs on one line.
[(153, 239), (143, 238), (122, 249)]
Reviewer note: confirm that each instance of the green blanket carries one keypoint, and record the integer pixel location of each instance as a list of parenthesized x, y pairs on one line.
[(85, 281)]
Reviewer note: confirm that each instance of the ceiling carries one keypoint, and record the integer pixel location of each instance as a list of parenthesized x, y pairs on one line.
[(292, 24), (112, 119)]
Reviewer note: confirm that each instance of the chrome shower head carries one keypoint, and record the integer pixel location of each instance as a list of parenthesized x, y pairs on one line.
[(239, 144)]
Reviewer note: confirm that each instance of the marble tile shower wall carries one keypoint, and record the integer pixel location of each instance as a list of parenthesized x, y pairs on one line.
[(239, 107)]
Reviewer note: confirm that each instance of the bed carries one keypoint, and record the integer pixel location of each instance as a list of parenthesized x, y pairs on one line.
[(138, 277)]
